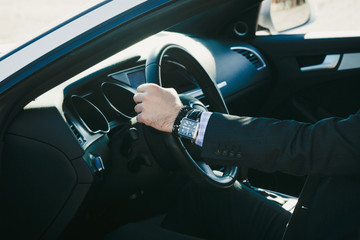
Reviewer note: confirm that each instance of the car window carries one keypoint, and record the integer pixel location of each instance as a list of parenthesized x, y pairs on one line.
[(21, 20), (328, 16)]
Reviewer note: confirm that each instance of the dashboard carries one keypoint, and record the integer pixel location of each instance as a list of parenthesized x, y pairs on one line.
[(97, 103), (99, 109)]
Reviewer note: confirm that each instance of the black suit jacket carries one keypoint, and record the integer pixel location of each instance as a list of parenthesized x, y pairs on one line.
[(328, 151)]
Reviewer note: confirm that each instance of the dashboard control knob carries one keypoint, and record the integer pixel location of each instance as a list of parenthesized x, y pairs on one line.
[(97, 163)]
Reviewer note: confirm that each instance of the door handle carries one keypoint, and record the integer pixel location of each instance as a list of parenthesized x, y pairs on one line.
[(330, 62)]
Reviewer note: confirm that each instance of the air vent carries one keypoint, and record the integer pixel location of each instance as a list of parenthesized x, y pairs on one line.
[(78, 136), (252, 56)]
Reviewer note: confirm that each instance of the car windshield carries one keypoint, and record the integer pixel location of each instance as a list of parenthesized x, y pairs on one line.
[(21, 20)]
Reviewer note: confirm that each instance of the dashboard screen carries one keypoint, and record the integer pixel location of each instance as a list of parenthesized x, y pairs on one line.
[(136, 78)]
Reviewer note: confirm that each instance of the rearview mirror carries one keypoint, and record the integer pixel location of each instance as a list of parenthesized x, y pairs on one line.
[(282, 15)]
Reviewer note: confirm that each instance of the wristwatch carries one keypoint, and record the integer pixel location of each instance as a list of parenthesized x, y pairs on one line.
[(182, 113), (189, 125)]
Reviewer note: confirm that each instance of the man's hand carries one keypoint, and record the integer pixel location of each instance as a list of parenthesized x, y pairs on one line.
[(157, 107)]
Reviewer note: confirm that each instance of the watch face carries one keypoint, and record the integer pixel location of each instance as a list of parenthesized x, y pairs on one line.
[(188, 128)]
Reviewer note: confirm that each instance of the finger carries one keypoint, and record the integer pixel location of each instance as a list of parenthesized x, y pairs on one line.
[(172, 90), (138, 108), (147, 87), (139, 118), (142, 88), (138, 97)]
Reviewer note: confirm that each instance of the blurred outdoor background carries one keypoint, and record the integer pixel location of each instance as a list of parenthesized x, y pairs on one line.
[(20, 20)]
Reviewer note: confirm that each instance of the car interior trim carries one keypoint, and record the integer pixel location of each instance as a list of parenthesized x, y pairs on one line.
[(241, 29), (89, 115), (122, 75), (330, 62), (198, 93), (350, 61)]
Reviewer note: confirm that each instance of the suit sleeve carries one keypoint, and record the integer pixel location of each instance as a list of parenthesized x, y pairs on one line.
[(329, 147)]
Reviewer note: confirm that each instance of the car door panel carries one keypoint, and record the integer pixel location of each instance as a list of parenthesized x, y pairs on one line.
[(306, 96), (316, 93)]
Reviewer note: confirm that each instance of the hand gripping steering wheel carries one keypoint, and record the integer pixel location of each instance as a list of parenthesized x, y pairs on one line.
[(188, 154)]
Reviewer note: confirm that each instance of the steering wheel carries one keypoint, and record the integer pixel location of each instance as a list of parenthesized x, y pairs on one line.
[(188, 154)]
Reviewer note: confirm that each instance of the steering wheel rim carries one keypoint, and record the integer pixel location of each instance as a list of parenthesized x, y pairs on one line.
[(198, 170)]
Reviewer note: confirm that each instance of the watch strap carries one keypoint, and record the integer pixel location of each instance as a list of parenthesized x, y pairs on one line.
[(182, 113), (194, 114)]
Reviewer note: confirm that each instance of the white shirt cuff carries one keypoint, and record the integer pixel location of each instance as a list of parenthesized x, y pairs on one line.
[(204, 119)]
